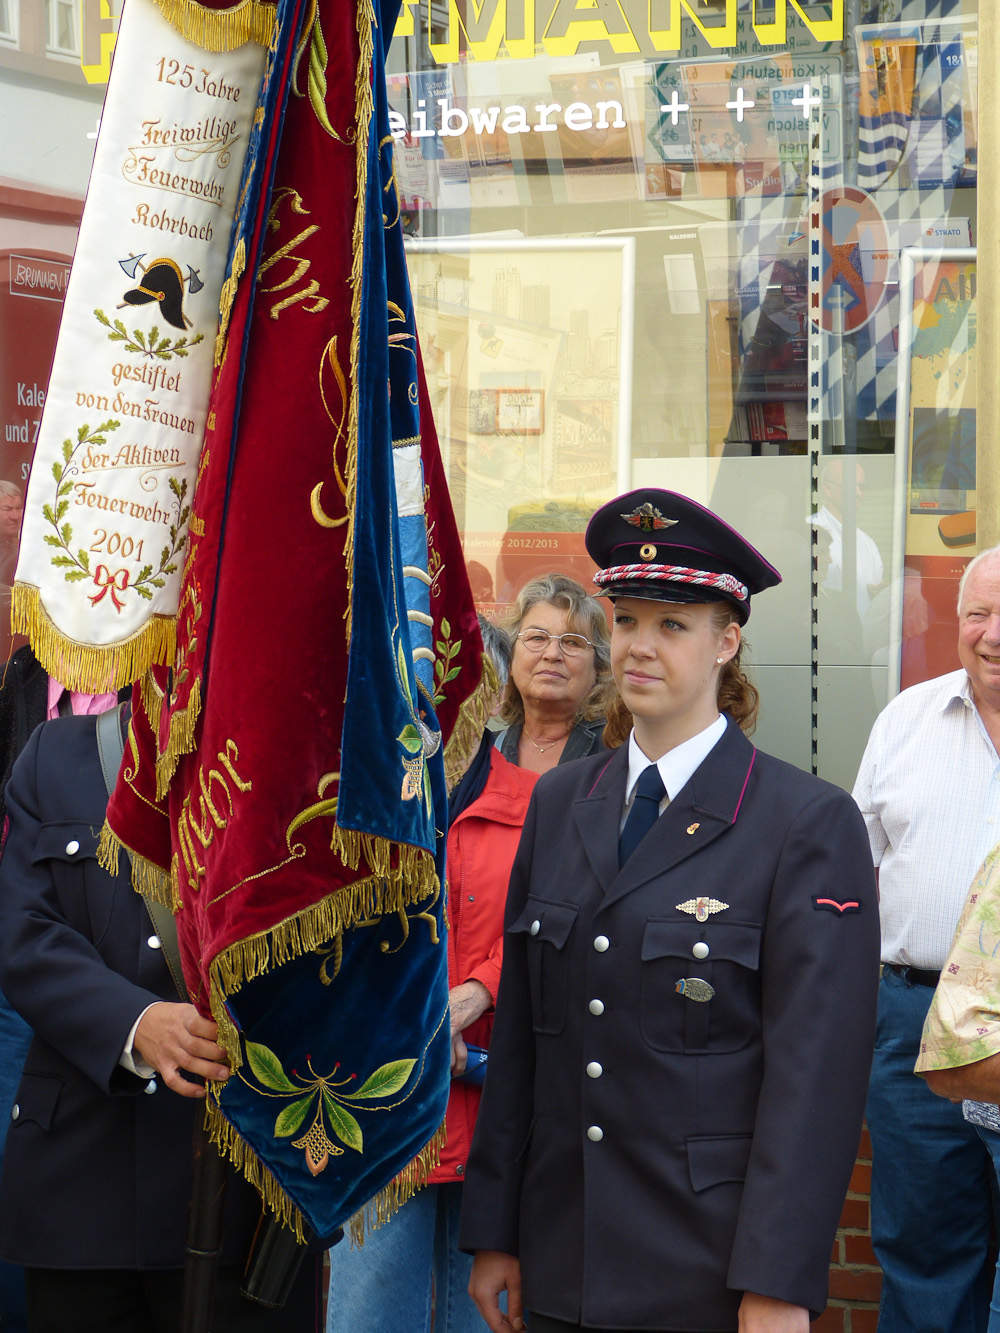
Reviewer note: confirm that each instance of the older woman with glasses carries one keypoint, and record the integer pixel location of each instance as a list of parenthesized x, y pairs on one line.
[(560, 678)]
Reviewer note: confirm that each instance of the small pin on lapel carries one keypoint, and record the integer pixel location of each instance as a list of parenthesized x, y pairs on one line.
[(693, 828)]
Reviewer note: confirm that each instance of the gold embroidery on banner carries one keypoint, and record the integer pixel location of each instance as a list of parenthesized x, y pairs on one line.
[(225, 29), (287, 251), (364, 102), (315, 503), (228, 296), (210, 818), (316, 84)]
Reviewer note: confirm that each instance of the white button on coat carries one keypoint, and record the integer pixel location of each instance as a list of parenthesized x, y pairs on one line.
[(535, 928), (700, 950), (594, 1070), (596, 1007), (72, 848), (154, 942), (595, 1133), (150, 1086), (15, 1111), (602, 944)]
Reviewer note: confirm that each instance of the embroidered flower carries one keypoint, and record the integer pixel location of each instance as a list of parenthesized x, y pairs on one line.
[(953, 968)]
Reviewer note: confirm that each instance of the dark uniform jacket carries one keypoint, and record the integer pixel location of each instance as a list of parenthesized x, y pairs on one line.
[(97, 1168), (650, 1156)]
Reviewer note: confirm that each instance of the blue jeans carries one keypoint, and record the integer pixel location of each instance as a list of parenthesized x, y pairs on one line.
[(387, 1283), (932, 1184), (992, 1142), (15, 1037)]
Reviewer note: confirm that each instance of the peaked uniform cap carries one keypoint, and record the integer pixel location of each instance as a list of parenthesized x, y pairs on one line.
[(663, 546)]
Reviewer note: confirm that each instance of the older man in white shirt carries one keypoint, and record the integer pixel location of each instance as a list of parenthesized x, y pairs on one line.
[(929, 788)]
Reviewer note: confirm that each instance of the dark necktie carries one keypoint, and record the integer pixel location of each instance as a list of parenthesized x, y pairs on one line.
[(649, 792)]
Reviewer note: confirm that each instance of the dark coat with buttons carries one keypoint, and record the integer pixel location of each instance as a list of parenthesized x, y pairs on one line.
[(97, 1167), (650, 1157)]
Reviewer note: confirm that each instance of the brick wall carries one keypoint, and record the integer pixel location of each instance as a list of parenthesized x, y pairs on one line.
[(855, 1279)]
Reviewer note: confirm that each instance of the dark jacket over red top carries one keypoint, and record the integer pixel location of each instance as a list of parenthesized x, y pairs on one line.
[(481, 846)]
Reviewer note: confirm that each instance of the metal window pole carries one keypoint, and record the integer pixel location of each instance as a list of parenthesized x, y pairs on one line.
[(988, 282)]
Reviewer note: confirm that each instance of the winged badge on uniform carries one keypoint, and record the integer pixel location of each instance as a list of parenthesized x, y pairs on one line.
[(701, 908)]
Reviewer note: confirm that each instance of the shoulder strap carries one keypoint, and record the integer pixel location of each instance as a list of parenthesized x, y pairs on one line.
[(110, 748)]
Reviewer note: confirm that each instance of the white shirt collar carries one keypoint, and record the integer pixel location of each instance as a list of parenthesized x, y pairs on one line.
[(956, 687), (677, 765)]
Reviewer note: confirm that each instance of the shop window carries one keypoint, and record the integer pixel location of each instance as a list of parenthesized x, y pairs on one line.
[(63, 28), (8, 22)]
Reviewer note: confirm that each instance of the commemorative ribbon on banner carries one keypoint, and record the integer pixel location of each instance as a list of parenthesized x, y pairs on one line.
[(109, 497), (283, 789)]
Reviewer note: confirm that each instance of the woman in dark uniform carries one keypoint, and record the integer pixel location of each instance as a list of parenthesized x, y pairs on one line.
[(686, 1011)]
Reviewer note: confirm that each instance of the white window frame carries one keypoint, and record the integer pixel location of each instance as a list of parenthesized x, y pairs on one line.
[(52, 8), (10, 37)]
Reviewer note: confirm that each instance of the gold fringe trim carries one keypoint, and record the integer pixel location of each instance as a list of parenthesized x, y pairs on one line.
[(152, 701), (311, 929), (414, 1176), (227, 298), (365, 103), (90, 668), (472, 718), (221, 29), (148, 879), (246, 1161), (180, 740)]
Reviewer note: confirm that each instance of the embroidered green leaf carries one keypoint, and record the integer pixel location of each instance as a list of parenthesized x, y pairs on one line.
[(404, 679), (65, 488), (48, 515), (67, 450), (57, 471), (446, 629), (74, 575), (343, 1124), (292, 1116), (267, 1068), (385, 1081), (410, 739), (49, 540), (145, 594)]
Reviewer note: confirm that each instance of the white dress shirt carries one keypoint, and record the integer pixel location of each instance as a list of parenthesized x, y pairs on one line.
[(929, 789), (676, 766)]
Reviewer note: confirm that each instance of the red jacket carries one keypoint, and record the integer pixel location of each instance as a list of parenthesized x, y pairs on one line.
[(481, 846)]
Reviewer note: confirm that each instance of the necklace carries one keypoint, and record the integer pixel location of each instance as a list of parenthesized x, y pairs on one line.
[(542, 748)]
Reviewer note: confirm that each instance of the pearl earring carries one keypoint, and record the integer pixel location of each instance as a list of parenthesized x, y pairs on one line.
[(719, 661)]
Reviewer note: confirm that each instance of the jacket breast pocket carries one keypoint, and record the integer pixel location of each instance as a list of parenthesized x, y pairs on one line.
[(700, 988), (545, 927), (68, 850)]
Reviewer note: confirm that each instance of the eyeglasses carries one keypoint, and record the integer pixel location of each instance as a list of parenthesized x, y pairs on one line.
[(537, 640)]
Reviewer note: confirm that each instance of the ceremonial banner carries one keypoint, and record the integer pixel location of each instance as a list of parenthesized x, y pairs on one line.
[(109, 496), (283, 788)]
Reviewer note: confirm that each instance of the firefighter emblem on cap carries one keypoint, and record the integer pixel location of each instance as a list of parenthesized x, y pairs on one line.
[(647, 518)]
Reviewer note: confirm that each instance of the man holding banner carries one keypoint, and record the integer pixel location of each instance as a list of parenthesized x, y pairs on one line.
[(296, 833)]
